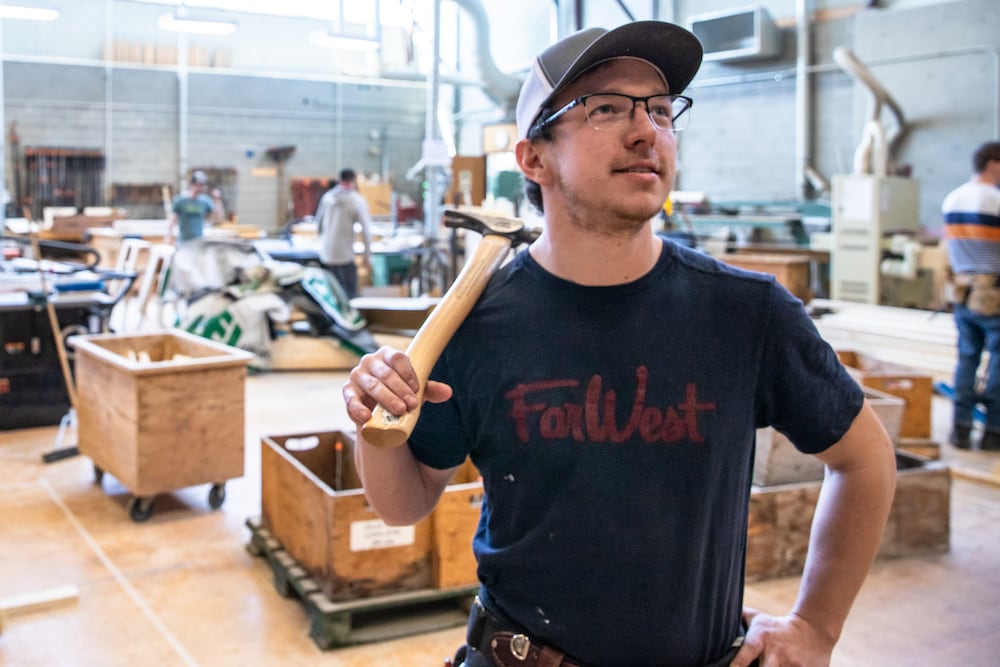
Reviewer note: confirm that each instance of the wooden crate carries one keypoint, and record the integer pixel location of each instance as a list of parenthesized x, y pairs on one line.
[(175, 420), (454, 521), (394, 314), (911, 386), (781, 518), (777, 461), (924, 447), (313, 503), (792, 271)]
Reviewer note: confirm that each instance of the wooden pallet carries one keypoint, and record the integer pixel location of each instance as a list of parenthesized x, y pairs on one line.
[(364, 620)]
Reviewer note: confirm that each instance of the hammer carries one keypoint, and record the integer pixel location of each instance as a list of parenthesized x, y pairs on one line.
[(500, 234)]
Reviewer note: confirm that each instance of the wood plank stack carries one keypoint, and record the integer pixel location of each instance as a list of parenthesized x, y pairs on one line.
[(925, 341)]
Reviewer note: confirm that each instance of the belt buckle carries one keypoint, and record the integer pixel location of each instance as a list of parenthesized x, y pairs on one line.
[(520, 646)]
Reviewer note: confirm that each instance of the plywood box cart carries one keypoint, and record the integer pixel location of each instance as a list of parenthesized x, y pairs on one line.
[(161, 411)]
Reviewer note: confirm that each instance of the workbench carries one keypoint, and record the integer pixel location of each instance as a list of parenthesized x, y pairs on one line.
[(749, 227), (792, 271)]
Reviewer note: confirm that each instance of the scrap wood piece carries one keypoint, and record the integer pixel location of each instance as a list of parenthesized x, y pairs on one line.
[(24, 603), (971, 474)]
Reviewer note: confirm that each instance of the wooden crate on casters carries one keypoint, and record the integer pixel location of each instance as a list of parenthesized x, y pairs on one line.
[(161, 411)]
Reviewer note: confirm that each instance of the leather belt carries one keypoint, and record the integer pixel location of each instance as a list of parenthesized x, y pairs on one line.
[(508, 648), (505, 647)]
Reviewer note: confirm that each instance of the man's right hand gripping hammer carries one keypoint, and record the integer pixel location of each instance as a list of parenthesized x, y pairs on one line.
[(386, 428)]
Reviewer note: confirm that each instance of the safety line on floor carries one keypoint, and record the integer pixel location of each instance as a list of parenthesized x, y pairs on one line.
[(119, 577)]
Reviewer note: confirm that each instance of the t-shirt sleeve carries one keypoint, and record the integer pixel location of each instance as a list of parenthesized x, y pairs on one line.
[(207, 203), (804, 391), (440, 439)]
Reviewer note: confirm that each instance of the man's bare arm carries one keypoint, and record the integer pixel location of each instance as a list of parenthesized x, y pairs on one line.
[(847, 529), (850, 518), (400, 489)]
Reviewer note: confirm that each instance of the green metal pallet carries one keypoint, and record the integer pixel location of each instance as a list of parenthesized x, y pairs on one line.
[(364, 620)]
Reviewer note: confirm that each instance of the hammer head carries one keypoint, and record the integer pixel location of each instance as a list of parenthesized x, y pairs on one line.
[(491, 223)]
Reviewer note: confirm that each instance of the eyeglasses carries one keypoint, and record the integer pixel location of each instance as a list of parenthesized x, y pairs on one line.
[(607, 110)]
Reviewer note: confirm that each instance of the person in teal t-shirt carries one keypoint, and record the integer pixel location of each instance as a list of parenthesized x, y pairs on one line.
[(191, 209)]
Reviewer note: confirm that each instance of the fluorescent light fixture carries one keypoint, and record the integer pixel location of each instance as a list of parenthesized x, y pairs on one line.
[(333, 40), (28, 12), (196, 22)]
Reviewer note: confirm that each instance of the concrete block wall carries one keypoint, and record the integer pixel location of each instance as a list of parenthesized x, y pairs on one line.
[(232, 121), (940, 59), (942, 64), (741, 141)]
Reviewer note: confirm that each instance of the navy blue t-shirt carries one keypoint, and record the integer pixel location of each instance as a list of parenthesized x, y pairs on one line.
[(614, 430)]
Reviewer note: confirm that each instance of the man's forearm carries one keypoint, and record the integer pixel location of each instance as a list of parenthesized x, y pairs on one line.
[(398, 487), (846, 533)]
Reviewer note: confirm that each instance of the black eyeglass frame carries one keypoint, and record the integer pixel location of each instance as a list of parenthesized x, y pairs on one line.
[(582, 100)]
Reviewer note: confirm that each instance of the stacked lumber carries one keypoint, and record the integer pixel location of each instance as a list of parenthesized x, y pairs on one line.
[(919, 339)]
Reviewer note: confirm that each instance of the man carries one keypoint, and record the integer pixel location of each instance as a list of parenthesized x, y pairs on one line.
[(972, 224), (338, 211), (608, 385), (190, 209)]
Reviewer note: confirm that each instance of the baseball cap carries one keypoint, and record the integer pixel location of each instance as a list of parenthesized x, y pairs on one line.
[(670, 48), (199, 177)]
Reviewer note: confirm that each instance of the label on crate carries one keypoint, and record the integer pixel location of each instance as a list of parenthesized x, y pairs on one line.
[(375, 534)]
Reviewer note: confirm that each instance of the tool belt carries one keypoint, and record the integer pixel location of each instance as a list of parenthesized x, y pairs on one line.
[(505, 646), (979, 292)]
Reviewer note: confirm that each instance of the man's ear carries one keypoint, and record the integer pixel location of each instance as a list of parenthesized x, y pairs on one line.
[(531, 158)]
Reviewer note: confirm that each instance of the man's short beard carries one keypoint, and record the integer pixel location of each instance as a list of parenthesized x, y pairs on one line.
[(622, 222)]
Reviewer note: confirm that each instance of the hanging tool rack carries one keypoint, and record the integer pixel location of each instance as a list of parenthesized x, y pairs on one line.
[(56, 176)]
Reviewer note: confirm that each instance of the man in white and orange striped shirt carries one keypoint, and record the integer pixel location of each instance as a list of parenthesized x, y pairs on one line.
[(972, 227)]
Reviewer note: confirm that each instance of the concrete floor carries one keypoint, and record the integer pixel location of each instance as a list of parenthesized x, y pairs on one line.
[(181, 588)]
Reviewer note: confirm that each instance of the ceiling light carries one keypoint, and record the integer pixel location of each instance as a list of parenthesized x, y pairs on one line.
[(29, 12), (197, 22), (334, 40)]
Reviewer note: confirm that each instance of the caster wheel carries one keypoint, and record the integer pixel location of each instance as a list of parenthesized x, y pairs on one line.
[(216, 496), (98, 475), (140, 509)]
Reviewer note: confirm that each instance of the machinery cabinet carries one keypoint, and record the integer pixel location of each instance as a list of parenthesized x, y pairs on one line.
[(32, 388)]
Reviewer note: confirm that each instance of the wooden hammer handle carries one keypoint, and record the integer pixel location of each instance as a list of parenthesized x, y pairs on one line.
[(385, 429)]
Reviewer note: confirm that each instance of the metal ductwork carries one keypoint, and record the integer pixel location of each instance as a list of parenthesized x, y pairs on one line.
[(502, 88), (876, 150)]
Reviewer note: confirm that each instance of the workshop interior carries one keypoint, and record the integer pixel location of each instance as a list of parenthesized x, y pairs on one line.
[(177, 478)]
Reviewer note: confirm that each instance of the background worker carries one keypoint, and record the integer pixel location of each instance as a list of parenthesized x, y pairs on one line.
[(338, 211), (219, 213), (972, 229), (608, 385), (191, 208)]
